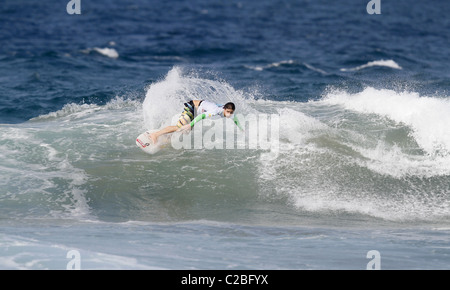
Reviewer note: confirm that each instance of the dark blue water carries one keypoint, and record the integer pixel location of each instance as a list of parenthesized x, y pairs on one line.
[(43, 65), (365, 146)]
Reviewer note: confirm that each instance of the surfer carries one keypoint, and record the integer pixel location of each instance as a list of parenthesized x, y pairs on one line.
[(195, 111)]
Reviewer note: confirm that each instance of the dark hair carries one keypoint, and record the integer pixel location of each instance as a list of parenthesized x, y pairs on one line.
[(229, 105)]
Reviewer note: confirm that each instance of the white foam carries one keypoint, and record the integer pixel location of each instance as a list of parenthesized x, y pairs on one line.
[(392, 161), (331, 161), (428, 117), (109, 52), (285, 62), (386, 63), (321, 182), (106, 51), (297, 126), (73, 111), (274, 64), (313, 68)]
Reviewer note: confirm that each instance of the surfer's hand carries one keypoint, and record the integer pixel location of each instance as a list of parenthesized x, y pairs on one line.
[(186, 129)]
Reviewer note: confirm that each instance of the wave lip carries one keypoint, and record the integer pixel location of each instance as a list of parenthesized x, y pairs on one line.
[(274, 64), (428, 117), (286, 63), (384, 63), (106, 51), (109, 52)]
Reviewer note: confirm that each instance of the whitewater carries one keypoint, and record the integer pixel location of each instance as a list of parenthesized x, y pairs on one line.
[(343, 159)]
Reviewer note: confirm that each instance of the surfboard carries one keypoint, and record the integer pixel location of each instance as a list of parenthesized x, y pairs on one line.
[(144, 142)]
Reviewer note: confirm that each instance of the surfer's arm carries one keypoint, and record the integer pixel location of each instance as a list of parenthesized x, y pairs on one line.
[(199, 118), (236, 121), (186, 128), (204, 115)]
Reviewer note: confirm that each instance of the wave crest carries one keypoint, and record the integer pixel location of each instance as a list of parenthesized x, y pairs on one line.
[(383, 63)]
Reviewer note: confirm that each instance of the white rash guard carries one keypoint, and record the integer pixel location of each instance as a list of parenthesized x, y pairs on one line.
[(210, 109)]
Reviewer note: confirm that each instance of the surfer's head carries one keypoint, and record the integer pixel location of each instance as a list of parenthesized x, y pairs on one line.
[(228, 109)]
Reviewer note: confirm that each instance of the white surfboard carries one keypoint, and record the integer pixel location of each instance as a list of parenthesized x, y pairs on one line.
[(144, 142)]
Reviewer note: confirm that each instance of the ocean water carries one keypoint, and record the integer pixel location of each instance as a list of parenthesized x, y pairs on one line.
[(363, 162)]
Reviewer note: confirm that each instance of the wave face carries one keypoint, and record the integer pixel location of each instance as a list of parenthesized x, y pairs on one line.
[(376, 154)]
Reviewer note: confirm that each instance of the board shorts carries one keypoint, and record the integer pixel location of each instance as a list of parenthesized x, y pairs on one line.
[(187, 115)]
